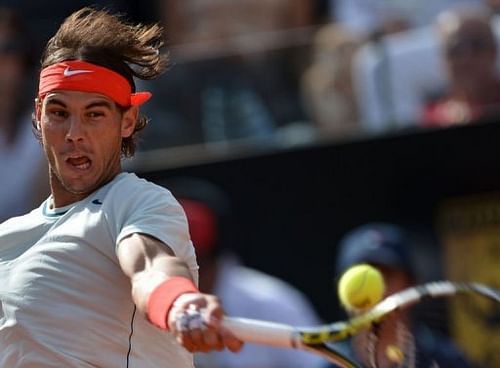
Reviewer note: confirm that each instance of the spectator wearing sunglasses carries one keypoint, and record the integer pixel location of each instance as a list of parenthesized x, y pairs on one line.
[(469, 51)]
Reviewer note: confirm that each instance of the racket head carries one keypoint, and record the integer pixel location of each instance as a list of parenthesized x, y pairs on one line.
[(390, 316), (411, 328)]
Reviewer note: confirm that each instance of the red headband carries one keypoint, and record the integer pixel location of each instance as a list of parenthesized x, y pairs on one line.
[(76, 75)]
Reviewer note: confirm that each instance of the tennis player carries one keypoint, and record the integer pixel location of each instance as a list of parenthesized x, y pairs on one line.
[(101, 274)]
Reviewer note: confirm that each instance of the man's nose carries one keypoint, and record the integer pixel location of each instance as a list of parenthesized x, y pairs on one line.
[(75, 129)]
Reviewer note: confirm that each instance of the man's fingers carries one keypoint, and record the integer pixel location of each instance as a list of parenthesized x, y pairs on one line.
[(213, 340), (230, 341), (195, 320)]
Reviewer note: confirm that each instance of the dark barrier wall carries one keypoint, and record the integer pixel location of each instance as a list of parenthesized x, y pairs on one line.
[(292, 207)]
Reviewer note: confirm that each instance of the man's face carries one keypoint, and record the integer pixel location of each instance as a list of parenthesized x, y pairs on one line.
[(82, 136)]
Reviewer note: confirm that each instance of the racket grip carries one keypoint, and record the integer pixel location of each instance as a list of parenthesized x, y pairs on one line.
[(261, 332)]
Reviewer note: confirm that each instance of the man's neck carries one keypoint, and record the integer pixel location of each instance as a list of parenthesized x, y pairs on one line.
[(62, 197)]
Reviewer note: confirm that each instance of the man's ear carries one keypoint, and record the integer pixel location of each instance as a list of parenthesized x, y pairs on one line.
[(129, 120), (38, 112)]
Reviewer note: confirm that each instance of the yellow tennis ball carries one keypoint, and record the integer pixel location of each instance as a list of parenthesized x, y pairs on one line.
[(360, 287)]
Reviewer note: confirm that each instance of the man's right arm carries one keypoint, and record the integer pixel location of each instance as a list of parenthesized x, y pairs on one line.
[(162, 289)]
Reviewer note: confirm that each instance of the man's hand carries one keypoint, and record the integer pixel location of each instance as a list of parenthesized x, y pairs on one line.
[(195, 321)]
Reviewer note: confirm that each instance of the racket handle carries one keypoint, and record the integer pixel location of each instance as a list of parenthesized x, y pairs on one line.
[(261, 332)]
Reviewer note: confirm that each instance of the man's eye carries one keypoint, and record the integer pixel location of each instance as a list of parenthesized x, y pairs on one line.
[(59, 113), (95, 114)]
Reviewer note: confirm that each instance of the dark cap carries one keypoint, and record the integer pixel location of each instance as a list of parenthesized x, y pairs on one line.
[(376, 243)]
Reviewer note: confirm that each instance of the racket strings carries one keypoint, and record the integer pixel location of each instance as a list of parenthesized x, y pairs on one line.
[(372, 342), (400, 353), (429, 319), (406, 339)]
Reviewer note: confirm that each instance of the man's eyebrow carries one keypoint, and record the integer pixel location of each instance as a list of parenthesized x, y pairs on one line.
[(55, 101), (101, 103)]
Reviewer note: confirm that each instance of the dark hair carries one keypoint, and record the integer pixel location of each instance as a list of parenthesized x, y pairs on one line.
[(108, 40)]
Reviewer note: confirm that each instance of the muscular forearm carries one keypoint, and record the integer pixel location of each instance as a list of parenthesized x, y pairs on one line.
[(162, 269), (163, 291), (148, 263)]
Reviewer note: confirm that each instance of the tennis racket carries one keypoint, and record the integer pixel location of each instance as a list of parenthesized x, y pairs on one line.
[(321, 339)]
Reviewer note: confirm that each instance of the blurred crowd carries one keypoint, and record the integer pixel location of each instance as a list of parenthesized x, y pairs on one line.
[(270, 73), (286, 72)]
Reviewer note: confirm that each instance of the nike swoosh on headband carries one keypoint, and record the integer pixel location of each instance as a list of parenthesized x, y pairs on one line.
[(68, 72), (78, 75)]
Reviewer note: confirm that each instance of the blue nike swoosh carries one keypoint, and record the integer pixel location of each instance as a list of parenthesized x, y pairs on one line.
[(96, 201)]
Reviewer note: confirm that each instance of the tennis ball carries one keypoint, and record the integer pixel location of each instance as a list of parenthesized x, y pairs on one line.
[(360, 287)]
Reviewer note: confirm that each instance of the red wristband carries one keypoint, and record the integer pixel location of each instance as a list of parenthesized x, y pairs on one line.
[(163, 296)]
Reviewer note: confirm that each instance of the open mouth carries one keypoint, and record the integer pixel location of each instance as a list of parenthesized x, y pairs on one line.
[(79, 162)]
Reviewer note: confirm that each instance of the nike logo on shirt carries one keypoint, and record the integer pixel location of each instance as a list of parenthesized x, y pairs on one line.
[(96, 201), (68, 72)]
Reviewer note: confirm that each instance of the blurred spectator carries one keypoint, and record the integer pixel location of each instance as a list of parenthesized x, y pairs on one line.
[(327, 86), (207, 101), (233, 74), (387, 247), (22, 162), (374, 18), (494, 5), (245, 292), (195, 21), (469, 49), (394, 76)]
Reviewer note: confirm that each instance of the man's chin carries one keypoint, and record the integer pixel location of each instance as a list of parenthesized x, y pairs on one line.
[(80, 189)]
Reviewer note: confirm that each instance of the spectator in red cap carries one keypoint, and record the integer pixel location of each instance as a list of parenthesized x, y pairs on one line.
[(244, 292)]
